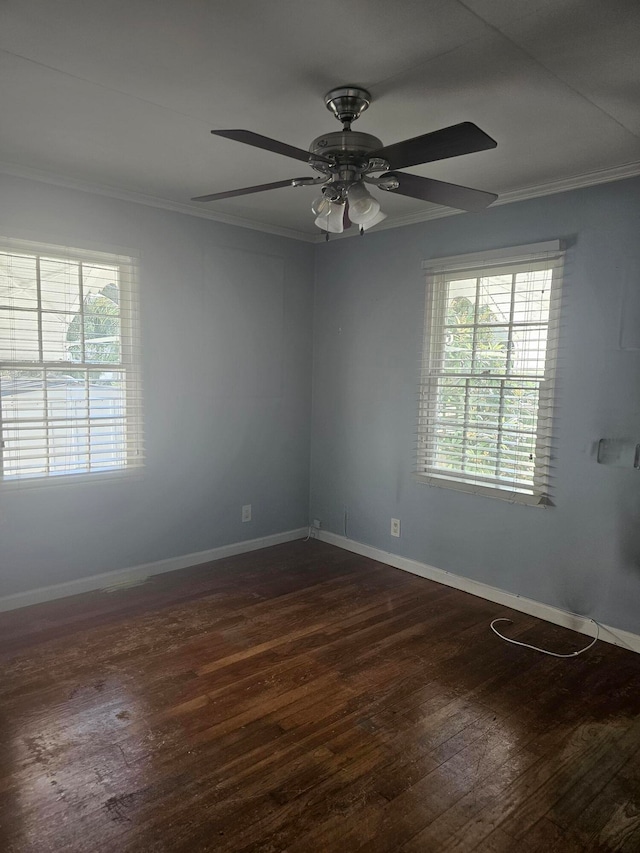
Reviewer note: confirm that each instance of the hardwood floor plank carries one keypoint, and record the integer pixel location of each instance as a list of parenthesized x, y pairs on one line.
[(305, 698)]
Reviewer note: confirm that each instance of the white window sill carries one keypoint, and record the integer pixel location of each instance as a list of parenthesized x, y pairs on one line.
[(473, 488), (19, 483)]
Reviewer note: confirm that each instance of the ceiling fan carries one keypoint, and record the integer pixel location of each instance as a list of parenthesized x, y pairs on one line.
[(348, 160)]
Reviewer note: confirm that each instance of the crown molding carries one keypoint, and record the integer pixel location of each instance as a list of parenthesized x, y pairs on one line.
[(148, 200), (587, 179), (576, 182)]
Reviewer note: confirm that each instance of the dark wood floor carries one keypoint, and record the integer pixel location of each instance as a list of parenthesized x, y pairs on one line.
[(306, 699)]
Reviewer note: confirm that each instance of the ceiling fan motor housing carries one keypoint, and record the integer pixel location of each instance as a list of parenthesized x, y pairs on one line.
[(350, 156), (347, 147)]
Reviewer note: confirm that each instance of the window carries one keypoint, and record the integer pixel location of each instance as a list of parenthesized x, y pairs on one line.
[(70, 395), (486, 390)]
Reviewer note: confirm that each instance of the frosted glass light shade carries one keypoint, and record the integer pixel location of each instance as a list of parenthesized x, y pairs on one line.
[(363, 207), (333, 221), (376, 220), (321, 206)]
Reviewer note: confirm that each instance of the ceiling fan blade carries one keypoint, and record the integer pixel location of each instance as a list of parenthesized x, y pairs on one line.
[(464, 138), (260, 188), (268, 144), (438, 192)]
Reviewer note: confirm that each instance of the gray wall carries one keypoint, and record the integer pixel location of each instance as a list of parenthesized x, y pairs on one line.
[(584, 553), (227, 327), (226, 332)]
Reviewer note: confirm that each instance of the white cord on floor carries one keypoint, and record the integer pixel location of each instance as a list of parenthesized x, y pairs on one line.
[(545, 651)]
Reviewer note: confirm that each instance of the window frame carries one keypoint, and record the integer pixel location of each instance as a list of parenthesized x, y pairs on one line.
[(547, 255), (129, 364)]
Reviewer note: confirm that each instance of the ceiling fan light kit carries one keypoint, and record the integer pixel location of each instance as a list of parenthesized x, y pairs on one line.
[(363, 208), (347, 160), (331, 219)]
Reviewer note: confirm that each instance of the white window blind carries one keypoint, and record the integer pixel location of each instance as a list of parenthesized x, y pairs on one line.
[(487, 380), (70, 392)]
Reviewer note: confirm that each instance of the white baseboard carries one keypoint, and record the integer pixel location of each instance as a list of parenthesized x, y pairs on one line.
[(120, 578), (616, 636), (110, 581)]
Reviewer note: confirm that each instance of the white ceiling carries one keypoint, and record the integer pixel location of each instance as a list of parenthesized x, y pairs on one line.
[(120, 95)]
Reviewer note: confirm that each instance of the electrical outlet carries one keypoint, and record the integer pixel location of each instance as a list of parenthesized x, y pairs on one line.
[(317, 523), (246, 513), (395, 527)]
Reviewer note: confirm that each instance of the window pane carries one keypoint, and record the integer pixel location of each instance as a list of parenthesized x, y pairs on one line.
[(102, 335), (517, 457), (58, 341), (481, 450), (18, 335), (108, 443), (529, 350), (100, 280), (69, 447), (461, 301), (62, 338), (102, 331), (520, 406), (67, 394), (18, 285), (25, 450), (533, 291), (449, 448), (476, 350), (450, 403), (106, 394), (59, 285), (492, 349), (484, 403), (458, 349), (21, 395), (495, 299)]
